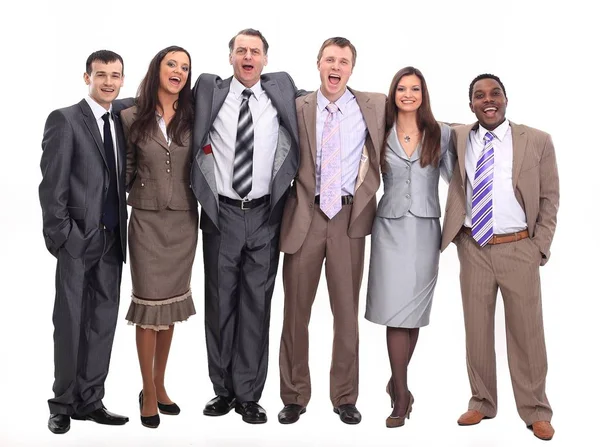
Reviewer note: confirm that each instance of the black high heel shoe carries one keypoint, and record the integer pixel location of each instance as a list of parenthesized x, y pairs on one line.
[(170, 409), (148, 421)]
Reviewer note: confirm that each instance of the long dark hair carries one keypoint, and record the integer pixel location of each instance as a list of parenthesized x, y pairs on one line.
[(428, 126), (147, 102)]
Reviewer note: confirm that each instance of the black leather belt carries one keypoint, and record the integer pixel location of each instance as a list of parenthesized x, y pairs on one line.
[(245, 204), (346, 200)]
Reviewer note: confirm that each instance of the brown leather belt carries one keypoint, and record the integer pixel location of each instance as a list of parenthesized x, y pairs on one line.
[(503, 238), (346, 200)]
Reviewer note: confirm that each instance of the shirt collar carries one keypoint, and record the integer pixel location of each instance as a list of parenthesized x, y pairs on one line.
[(237, 88), (499, 132), (97, 109), (341, 103)]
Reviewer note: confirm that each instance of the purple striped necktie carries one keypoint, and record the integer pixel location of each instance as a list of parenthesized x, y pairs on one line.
[(482, 214), (331, 164)]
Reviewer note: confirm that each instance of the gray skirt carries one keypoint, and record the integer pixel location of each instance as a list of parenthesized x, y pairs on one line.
[(405, 254), (162, 247)]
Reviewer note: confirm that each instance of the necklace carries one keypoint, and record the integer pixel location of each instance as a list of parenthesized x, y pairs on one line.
[(406, 137)]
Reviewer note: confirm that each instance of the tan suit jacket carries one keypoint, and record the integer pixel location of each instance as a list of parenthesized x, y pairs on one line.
[(158, 174), (535, 182), (300, 205)]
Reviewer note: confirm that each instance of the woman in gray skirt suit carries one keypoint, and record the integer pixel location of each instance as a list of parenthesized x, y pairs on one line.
[(405, 242), (163, 227)]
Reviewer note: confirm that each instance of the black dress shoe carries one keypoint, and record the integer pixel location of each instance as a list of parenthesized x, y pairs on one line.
[(102, 416), (251, 412), (170, 409), (219, 406), (349, 414), (148, 421), (291, 413), (59, 423)]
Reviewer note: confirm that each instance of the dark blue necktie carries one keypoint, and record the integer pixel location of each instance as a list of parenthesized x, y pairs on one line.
[(110, 216)]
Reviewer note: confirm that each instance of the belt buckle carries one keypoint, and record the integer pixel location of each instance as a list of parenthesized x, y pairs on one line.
[(242, 204)]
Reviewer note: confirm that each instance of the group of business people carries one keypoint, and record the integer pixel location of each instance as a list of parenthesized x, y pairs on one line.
[(276, 169)]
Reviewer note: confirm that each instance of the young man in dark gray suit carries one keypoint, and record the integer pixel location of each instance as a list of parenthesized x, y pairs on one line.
[(82, 195), (245, 157)]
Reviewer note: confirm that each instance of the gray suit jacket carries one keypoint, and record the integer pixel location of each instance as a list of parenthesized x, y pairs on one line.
[(76, 178), (210, 92), (410, 187)]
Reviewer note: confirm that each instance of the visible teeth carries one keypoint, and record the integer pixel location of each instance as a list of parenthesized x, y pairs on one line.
[(175, 78), (493, 109), (334, 76)]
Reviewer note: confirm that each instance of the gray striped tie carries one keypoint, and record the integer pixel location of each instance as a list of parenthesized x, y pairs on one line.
[(244, 148)]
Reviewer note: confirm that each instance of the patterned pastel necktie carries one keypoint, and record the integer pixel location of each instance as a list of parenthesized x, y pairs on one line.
[(482, 214), (331, 164), (244, 149)]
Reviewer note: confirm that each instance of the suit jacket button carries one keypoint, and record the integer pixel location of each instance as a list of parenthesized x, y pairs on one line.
[(142, 184), (310, 205), (168, 170)]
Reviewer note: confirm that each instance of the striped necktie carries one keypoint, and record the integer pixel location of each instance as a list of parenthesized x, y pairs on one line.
[(244, 149), (331, 164), (482, 207)]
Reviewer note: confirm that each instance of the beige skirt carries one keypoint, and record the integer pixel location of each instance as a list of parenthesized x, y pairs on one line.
[(162, 247)]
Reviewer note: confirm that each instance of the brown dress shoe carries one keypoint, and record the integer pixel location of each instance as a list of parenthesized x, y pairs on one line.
[(542, 430), (471, 417)]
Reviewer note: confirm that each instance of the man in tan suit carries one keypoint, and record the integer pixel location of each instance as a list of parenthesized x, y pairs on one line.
[(329, 212), (501, 214)]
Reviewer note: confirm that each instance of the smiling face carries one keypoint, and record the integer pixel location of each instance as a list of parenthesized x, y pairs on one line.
[(248, 59), (488, 103), (335, 68), (104, 82), (174, 72), (409, 95)]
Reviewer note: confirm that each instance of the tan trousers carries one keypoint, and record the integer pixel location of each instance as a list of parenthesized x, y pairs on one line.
[(344, 259), (514, 268)]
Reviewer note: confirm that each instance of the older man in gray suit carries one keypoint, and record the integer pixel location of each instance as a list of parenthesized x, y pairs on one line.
[(245, 157), (82, 195)]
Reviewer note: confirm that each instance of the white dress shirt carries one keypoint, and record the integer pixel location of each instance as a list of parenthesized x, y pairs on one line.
[(223, 135), (99, 112), (508, 215)]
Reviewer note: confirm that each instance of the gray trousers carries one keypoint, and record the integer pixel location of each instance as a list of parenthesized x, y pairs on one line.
[(85, 317), (240, 264)]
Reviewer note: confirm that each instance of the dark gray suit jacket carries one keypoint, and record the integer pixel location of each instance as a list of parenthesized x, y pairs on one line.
[(210, 92), (76, 178)]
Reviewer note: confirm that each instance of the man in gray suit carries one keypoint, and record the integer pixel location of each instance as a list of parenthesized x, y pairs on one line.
[(245, 157), (82, 195)]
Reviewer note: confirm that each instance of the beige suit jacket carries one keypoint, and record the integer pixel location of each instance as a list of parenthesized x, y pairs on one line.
[(158, 174), (300, 205), (535, 182)]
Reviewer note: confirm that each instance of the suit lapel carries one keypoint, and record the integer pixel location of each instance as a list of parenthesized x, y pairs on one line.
[(370, 115), (90, 122), (309, 113), (462, 137), (120, 152), (159, 137), (519, 140)]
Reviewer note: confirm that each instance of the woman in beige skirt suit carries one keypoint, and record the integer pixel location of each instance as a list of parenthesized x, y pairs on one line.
[(163, 227)]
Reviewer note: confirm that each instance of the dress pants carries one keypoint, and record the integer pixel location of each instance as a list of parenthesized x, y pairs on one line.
[(240, 265), (513, 268), (85, 318), (344, 260)]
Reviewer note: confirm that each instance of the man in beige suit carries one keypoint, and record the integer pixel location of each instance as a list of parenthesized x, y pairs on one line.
[(501, 214), (327, 216)]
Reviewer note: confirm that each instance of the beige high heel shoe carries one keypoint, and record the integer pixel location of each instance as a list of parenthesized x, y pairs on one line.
[(397, 421)]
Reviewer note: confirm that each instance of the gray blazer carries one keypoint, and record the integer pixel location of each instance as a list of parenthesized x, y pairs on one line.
[(210, 92), (75, 179), (408, 187)]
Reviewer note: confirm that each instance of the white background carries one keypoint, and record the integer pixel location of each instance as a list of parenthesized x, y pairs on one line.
[(546, 54)]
